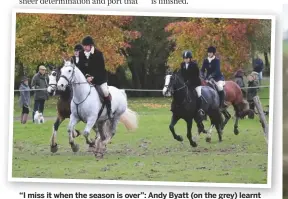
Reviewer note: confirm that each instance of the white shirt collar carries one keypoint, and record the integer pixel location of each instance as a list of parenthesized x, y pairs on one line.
[(210, 59), (77, 60), (87, 54)]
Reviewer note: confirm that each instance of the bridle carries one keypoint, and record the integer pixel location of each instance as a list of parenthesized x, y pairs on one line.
[(53, 86), (70, 82), (171, 87)]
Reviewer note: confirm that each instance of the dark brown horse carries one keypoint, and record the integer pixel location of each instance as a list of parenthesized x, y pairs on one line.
[(63, 107), (234, 97)]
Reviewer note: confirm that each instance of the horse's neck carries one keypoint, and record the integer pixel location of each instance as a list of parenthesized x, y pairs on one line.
[(80, 85), (180, 95)]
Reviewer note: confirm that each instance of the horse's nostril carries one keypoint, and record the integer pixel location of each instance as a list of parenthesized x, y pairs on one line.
[(62, 85)]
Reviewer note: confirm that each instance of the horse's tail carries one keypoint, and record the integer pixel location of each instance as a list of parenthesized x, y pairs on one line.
[(130, 119)]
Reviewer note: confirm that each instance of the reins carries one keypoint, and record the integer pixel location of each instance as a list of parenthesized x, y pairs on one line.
[(182, 87)]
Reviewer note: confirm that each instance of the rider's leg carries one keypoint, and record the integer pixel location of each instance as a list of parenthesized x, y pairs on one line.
[(220, 87), (201, 112), (107, 98)]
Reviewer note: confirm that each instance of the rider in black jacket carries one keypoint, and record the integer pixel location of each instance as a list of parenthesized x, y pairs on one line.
[(92, 65)]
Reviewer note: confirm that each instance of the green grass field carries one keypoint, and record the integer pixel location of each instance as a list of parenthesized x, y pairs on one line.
[(149, 154)]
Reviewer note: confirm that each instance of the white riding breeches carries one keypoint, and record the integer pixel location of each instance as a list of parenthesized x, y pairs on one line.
[(220, 85), (198, 90), (105, 89)]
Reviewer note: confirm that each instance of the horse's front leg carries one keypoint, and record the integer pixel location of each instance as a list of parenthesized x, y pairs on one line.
[(209, 133), (53, 145), (189, 133), (200, 125), (237, 114), (236, 131), (91, 147), (73, 121), (173, 122), (90, 124)]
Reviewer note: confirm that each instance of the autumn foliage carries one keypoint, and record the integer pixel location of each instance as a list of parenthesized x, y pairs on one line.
[(145, 46), (232, 38), (42, 38)]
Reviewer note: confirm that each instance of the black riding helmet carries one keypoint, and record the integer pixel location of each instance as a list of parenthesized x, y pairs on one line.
[(187, 54), (211, 49), (78, 47), (88, 40)]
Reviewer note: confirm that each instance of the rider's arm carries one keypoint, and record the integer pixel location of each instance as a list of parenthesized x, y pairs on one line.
[(202, 71), (197, 71), (34, 82), (217, 71), (101, 64)]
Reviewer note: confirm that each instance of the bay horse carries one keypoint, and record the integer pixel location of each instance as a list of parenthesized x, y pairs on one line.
[(184, 107), (87, 106), (234, 97), (63, 107)]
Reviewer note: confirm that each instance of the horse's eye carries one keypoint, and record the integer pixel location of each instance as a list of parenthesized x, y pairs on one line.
[(69, 71), (54, 74)]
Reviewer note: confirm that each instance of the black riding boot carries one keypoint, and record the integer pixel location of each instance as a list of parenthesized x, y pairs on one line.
[(108, 106), (201, 112), (221, 95)]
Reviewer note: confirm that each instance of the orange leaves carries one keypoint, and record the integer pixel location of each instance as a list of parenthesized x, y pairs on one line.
[(230, 36), (41, 38)]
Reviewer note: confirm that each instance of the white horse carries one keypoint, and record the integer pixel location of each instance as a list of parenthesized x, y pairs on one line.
[(86, 106)]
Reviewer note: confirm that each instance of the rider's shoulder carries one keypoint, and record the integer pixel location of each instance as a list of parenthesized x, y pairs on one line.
[(217, 60), (194, 62), (98, 52)]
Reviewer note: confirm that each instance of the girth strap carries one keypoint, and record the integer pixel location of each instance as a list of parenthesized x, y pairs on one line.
[(77, 104)]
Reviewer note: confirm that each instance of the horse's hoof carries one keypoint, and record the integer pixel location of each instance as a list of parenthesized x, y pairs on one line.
[(99, 156), (180, 138), (75, 148), (236, 131), (54, 148), (194, 144), (208, 139)]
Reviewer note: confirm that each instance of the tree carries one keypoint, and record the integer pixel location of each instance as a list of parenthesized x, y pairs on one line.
[(230, 36), (260, 41), (147, 57), (42, 38)]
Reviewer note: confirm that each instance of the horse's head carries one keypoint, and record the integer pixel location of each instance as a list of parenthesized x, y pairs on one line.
[(67, 75), (53, 77), (173, 83)]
